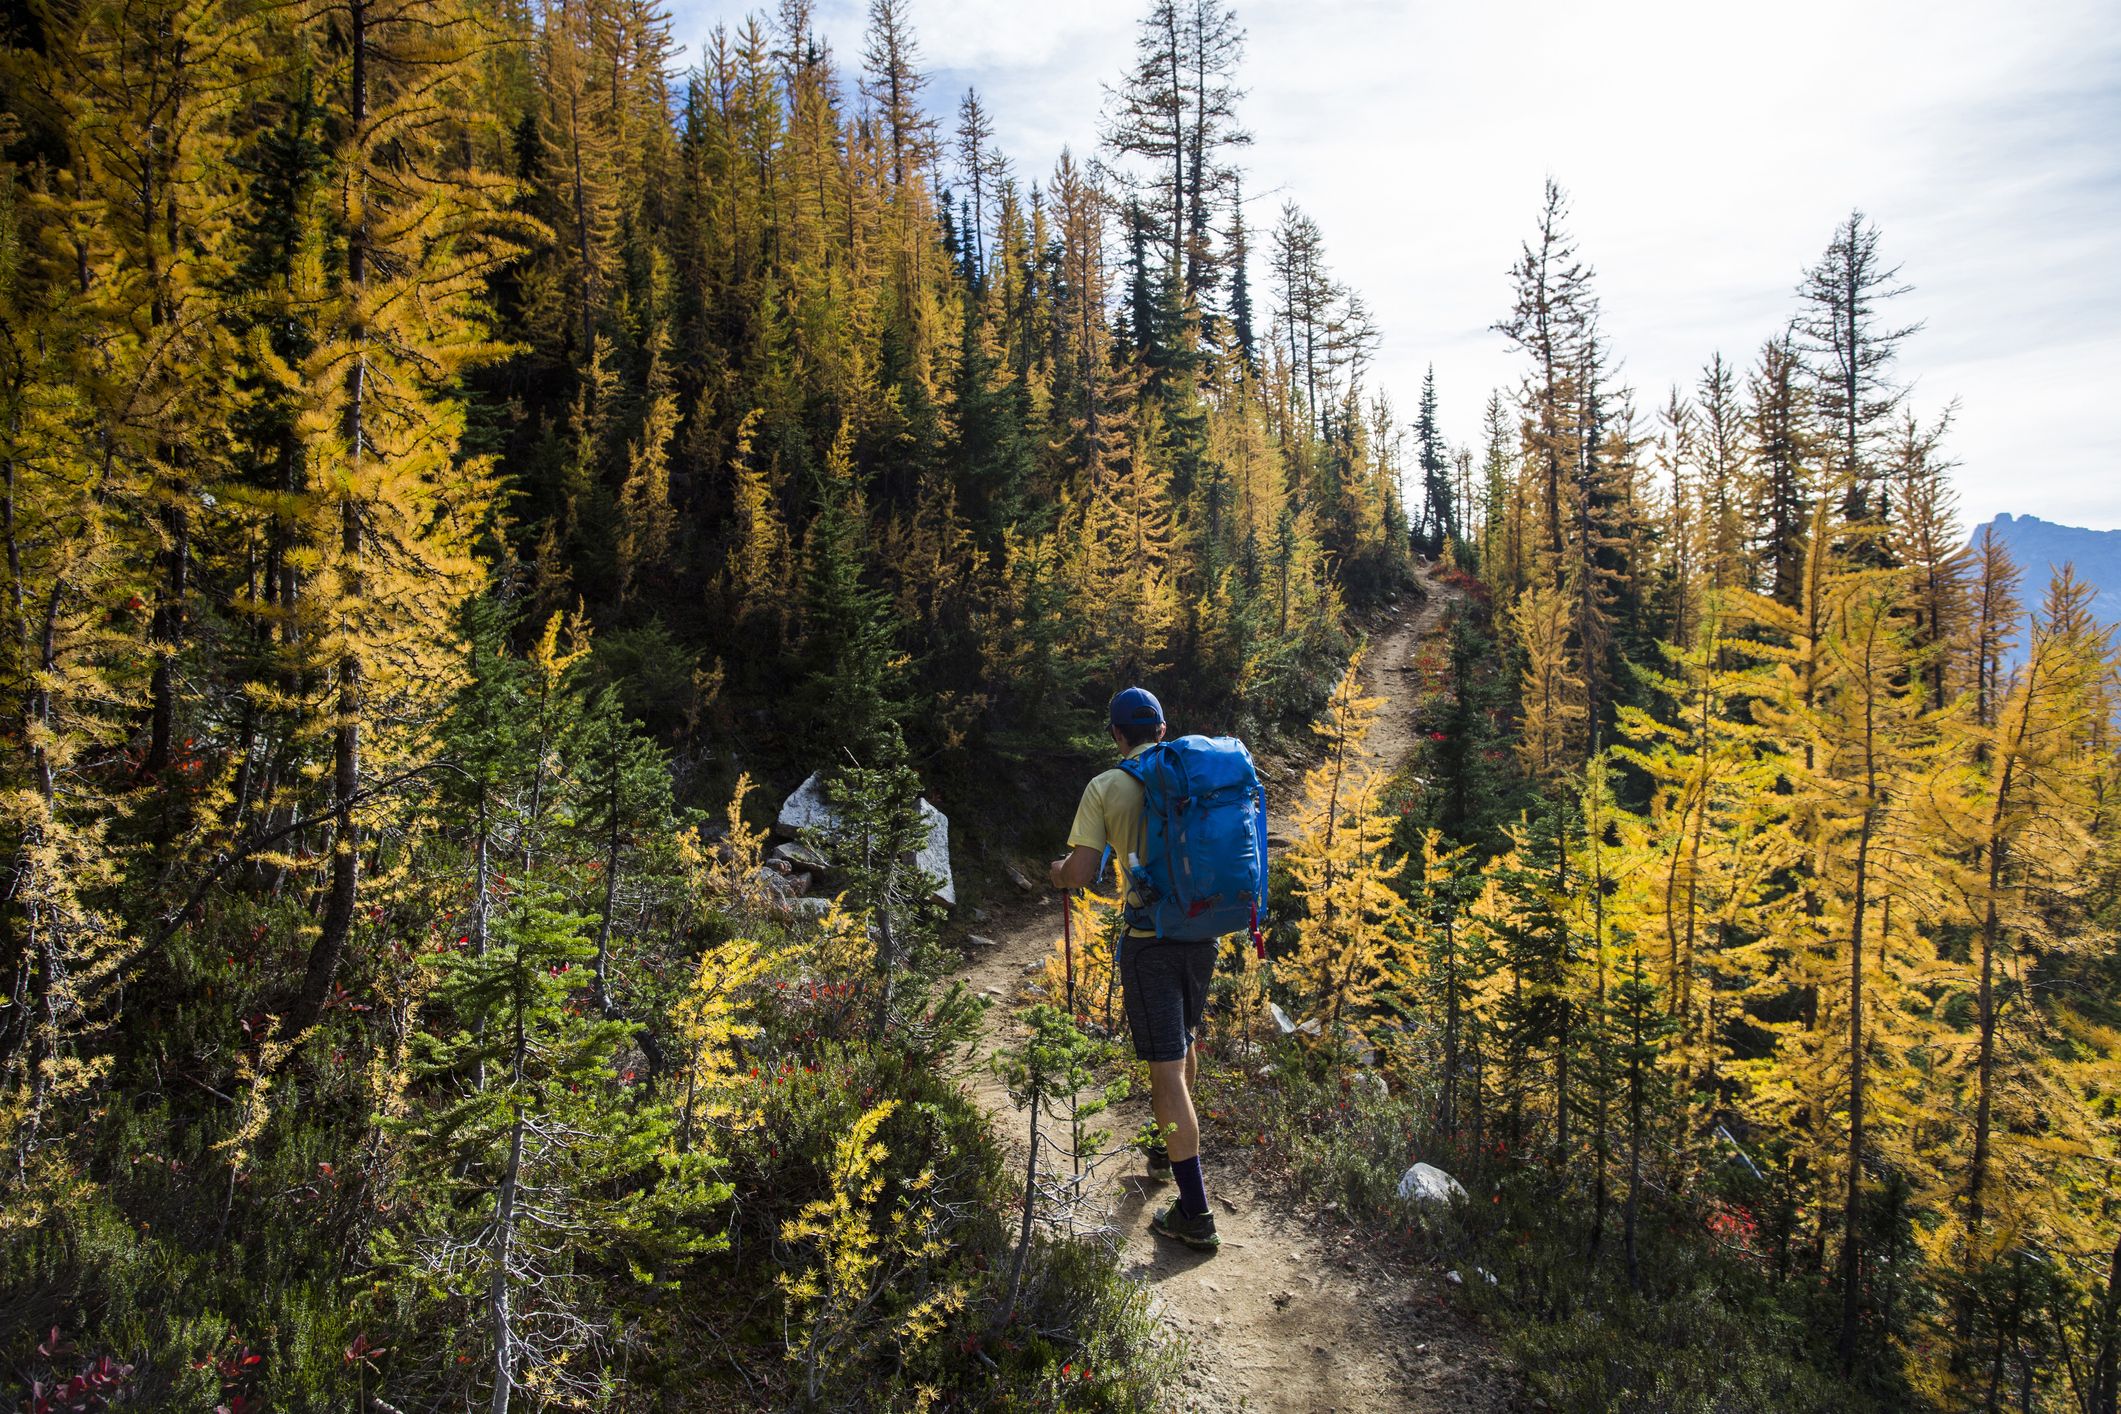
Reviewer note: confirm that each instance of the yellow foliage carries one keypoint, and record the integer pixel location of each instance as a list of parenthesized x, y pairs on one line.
[(713, 1021), (760, 567), (1555, 711), (729, 869), (256, 1075), (856, 1252), (1353, 920), (1095, 921)]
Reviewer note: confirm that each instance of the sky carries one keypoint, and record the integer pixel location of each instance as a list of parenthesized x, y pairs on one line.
[(1709, 149)]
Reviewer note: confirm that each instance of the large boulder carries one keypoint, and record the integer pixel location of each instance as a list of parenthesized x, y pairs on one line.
[(807, 809), (934, 859), (1431, 1186), (807, 812)]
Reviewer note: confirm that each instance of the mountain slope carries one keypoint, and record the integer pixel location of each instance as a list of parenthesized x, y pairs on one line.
[(2041, 547)]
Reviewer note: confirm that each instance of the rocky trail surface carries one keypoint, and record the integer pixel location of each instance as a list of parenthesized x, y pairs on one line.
[(1293, 1313)]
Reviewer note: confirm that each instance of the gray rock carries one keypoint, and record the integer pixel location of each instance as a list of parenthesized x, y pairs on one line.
[(809, 909), (798, 855), (807, 811), (1428, 1184), (1018, 877), (1307, 1027), (934, 860), (976, 941)]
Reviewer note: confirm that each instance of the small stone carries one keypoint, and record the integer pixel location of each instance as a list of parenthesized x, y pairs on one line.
[(976, 941), (1015, 874), (1454, 1278)]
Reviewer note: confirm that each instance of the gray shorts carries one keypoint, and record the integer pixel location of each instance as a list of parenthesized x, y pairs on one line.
[(1165, 985)]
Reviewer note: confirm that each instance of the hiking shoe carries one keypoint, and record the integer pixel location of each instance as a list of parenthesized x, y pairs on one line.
[(1195, 1232), (1158, 1159)]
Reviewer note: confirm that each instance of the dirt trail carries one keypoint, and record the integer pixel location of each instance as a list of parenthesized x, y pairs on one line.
[(1292, 1314)]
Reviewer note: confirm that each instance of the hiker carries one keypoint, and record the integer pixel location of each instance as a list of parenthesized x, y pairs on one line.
[(1164, 982)]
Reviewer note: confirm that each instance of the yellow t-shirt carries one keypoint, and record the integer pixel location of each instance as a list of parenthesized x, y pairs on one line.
[(1110, 816)]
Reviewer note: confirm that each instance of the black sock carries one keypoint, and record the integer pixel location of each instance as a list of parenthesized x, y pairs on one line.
[(1192, 1191)]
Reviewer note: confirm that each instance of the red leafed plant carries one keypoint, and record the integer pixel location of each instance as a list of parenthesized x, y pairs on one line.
[(93, 1387)]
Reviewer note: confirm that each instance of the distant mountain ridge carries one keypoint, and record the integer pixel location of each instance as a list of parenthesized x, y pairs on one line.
[(2041, 547)]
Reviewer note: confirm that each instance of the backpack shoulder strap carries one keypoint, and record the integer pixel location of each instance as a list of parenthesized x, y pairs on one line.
[(1138, 764)]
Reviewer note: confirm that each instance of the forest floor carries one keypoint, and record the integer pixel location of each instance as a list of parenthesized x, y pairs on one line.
[(1293, 1313)]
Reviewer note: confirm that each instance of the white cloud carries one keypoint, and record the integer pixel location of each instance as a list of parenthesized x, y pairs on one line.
[(1710, 150)]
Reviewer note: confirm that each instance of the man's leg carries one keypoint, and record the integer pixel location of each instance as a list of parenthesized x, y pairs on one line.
[(1171, 1098), (1171, 1101), (1165, 988)]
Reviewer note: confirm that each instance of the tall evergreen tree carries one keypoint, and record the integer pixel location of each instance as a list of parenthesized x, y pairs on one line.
[(1439, 515), (392, 506), (1849, 351)]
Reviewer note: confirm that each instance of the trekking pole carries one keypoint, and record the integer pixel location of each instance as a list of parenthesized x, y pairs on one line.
[(1068, 946), (1119, 933), (1266, 967)]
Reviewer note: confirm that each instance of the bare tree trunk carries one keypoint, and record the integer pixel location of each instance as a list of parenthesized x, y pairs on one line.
[(1630, 1213), (1023, 1236), (497, 1304), (611, 898), (1852, 1205), (338, 918), (2107, 1384), (504, 1215)]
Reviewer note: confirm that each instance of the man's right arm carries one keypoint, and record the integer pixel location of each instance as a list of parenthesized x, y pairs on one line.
[(1085, 859), (1078, 869)]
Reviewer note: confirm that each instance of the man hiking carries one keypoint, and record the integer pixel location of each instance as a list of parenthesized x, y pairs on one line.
[(1164, 982)]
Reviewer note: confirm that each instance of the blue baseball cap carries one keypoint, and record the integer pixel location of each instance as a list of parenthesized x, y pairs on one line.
[(1137, 707)]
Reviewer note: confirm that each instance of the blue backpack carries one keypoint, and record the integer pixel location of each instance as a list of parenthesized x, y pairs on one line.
[(1202, 872)]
